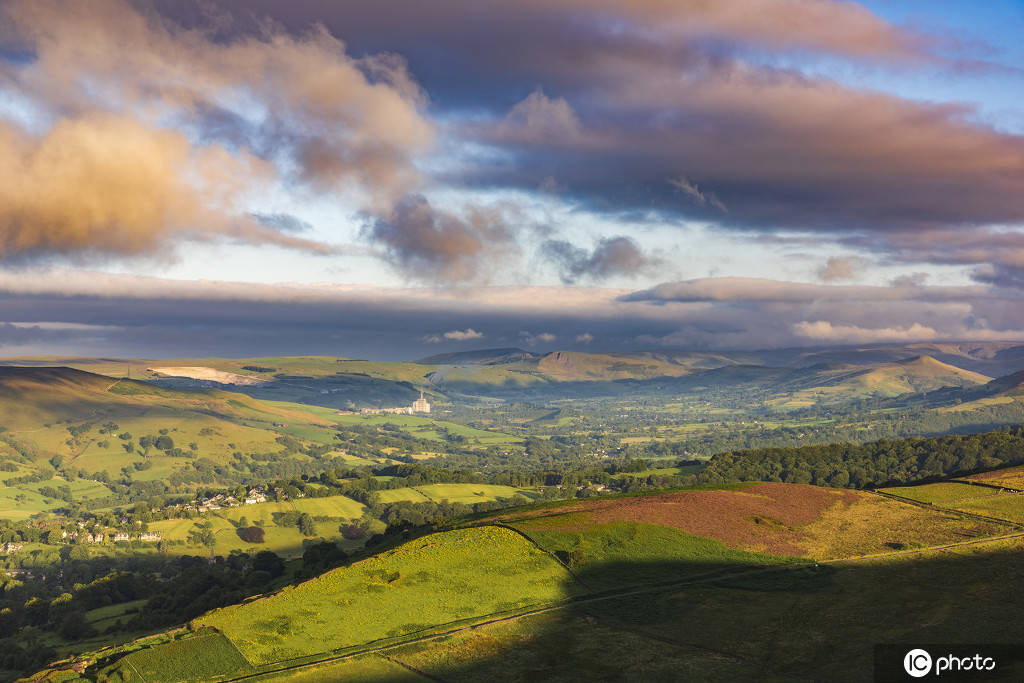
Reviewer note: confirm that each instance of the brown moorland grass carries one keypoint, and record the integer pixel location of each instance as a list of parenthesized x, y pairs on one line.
[(775, 518), (873, 525), (1012, 478), (762, 518)]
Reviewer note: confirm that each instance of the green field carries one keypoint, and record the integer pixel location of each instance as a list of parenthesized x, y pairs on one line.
[(1008, 506), (202, 658), (942, 492), (453, 493), (340, 507), (656, 553), (287, 541), (103, 617), (22, 503), (439, 579), (427, 428)]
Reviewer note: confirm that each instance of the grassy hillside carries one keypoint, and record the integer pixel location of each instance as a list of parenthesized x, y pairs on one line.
[(703, 582), (95, 423)]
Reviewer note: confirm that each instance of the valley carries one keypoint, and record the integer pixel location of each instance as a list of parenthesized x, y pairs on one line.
[(220, 519)]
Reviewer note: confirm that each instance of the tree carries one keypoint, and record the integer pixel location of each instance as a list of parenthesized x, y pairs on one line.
[(252, 534), (268, 562), (164, 443), (74, 626)]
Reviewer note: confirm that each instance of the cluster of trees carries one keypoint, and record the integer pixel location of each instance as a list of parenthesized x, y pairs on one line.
[(880, 463)]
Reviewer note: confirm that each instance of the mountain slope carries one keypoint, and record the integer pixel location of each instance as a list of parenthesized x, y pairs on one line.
[(571, 590)]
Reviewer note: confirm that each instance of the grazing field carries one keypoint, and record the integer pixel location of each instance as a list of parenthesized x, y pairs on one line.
[(1009, 506), (331, 506), (453, 493), (427, 428), (286, 541), (198, 659), (22, 503), (654, 553), (942, 492), (438, 579), (103, 617)]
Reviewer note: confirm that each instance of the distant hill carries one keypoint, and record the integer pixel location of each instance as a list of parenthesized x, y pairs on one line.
[(575, 366), (479, 357), (1010, 385), (96, 422), (922, 373)]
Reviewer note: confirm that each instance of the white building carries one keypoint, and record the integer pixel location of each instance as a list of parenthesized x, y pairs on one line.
[(420, 405)]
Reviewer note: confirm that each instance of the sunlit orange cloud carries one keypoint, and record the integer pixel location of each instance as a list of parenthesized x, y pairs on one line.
[(844, 28), (110, 184), (128, 165)]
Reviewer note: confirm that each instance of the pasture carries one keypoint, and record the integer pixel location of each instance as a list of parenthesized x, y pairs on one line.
[(655, 553), (941, 492), (1008, 506), (198, 659), (286, 541), (453, 493), (439, 579)]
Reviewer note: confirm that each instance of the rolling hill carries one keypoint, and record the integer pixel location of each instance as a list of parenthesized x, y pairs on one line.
[(745, 583)]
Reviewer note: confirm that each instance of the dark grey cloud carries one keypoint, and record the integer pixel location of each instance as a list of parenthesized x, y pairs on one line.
[(282, 222), (612, 256), (437, 245), (638, 108), (634, 107), (147, 317)]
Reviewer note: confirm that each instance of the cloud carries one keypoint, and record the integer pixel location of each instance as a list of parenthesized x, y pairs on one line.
[(612, 256), (584, 338), (727, 289), (531, 339), (150, 133), (455, 335), (110, 184), (282, 222), (149, 317), (695, 194), (840, 268), (436, 245), (841, 28), (539, 119), (822, 330), (910, 280)]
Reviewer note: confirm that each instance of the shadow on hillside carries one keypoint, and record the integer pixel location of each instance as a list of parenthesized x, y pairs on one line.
[(675, 622)]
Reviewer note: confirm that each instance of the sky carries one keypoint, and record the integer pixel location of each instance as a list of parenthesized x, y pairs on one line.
[(389, 180)]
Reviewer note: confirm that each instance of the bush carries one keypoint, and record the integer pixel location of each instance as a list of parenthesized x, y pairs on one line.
[(353, 532)]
